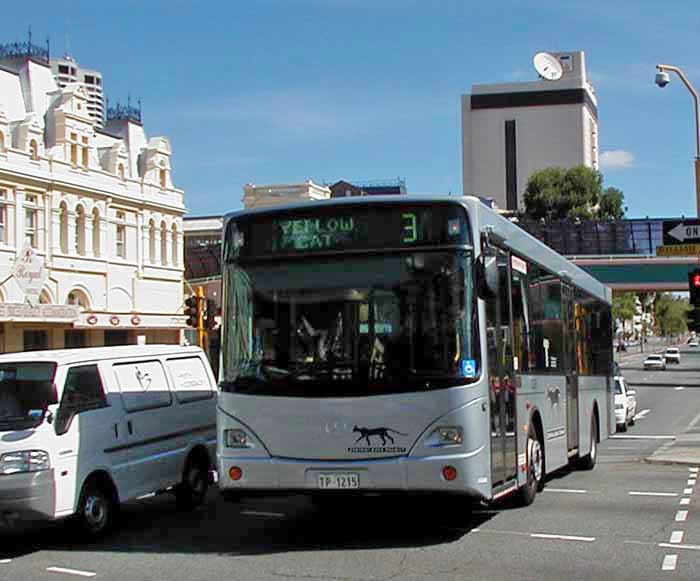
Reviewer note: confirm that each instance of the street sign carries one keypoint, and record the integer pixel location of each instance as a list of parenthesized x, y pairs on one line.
[(681, 232), (679, 250), (30, 273)]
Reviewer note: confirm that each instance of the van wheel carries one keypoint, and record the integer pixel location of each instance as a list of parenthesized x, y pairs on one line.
[(192, 491), (535, 470), (97, 511), (588, 462)]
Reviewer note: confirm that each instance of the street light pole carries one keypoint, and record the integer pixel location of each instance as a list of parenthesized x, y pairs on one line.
[(693, 92)]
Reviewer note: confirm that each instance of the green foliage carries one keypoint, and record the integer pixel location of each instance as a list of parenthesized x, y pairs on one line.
[(624, 305), (671, 314), (554, 193)]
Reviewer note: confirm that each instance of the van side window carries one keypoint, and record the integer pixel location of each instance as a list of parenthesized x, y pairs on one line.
[(190, 379), (81, 392), (143, 385)]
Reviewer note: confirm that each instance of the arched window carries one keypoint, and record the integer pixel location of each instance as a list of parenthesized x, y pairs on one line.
[(34, 149), (174, 258), (78, 298), (122, 172), (96, 224), (64, 228), (45, 298), (2, 141), (163, 178), (80, 230), (163, 243), (152, 242)]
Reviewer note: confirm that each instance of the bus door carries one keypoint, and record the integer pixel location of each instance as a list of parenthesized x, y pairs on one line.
[(570, 367), (501, 378)]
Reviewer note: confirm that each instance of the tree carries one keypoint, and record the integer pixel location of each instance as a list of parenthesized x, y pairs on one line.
[(671, 314), (554, 193), (624, 307)]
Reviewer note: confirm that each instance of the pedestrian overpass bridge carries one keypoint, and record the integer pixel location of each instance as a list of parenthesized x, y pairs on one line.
[(621, 254)]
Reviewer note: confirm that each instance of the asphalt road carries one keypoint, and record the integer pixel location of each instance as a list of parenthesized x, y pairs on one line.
[(626, 519)]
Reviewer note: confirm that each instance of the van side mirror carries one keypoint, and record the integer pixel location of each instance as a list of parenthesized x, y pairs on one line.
[(487, 279)]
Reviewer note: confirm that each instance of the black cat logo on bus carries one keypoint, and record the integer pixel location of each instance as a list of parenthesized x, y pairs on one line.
[(383, 433)]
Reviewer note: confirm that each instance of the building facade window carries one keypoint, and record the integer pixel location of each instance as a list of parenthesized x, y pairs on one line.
[(96, 225), (63, 227), (78, 298), (35, 340), (30, 221), (121, 235), (80, 230), (163, 244), (163, 178), (33, 150), (74, 149), (173, 244), (86, 153), (75, 339), (122, 175), (2, 142), (152, 242)]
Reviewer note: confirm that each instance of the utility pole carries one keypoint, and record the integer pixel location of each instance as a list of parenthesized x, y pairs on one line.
[(201, 301)]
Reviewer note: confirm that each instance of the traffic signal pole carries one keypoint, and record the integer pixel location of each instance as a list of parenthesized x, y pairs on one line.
[(201, 301)]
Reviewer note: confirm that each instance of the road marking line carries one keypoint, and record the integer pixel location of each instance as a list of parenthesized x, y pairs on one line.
[(684, 501), (639, 437), (681, 515), (562, 537), (621, 448), (687, 491), (676, 537), (571, 490), (691, 481), (693, 469), (641, 415), (679, 388), (262, 513), (71, 572), (652, 493), (669, 563), (689, 547), (5, 561)]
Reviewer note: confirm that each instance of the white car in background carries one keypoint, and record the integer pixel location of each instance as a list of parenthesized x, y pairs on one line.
[(625, 404), (693, 343), (672, 355), (655, 361)]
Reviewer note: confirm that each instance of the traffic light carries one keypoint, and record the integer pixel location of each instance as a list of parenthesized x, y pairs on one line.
[(694, 287), (210, 316), (192, 304)]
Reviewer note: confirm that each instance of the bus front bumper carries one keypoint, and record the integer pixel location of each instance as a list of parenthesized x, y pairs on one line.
[(419, 474), (26, 496)]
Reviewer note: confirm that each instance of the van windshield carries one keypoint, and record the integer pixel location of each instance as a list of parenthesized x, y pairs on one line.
[(26, 390)]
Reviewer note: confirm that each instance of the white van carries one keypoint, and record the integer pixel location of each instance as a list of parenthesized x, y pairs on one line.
[(83, 430)]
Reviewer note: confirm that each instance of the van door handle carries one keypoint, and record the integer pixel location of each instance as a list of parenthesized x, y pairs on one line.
[(130, 427)]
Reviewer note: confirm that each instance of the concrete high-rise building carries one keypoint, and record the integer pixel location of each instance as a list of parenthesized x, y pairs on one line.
[(510, 130), (67, 71)]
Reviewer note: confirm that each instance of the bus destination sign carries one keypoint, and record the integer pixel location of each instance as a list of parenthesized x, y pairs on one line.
[(352, 227)]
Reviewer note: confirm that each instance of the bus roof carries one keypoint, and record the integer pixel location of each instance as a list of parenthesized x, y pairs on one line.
[(482, 217)]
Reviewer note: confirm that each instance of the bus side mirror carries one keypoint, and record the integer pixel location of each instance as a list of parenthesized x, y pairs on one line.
[(487, 277)]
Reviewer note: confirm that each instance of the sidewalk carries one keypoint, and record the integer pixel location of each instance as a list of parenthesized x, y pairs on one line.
[(685, 449)]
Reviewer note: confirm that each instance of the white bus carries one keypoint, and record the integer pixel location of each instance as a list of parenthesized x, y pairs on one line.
[(417, 344)]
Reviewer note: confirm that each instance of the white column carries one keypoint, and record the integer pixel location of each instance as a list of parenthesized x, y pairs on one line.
[(71, 233), (139, 243), (88, 234), (158, 260)]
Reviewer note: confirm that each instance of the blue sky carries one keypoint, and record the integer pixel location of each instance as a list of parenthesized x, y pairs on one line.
[(280, 91)]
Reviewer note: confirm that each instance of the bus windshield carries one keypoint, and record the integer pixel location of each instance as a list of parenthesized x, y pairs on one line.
[(350, 325)]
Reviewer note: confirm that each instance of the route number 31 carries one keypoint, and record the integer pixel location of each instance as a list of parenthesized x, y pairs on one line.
[(410, 228)]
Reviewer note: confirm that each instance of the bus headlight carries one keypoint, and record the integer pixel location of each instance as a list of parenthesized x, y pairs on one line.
[(449, 435), (236, 439), (24, 461)]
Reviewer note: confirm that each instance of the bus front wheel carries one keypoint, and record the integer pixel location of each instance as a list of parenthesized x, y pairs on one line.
[(535, 469)]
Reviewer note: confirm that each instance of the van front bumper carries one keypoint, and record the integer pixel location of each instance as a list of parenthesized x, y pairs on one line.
[(419, 474), (27, 496)]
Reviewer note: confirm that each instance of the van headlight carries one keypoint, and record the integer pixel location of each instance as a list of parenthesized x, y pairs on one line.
[(236, 439), (24, 461)]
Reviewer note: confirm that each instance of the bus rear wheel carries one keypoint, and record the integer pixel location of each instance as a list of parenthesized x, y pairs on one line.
[(535, 469)]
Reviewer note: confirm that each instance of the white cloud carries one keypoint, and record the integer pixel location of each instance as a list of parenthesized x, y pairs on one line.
[(616, 159)]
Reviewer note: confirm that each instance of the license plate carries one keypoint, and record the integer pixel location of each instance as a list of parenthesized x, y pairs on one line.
[(339, 480)]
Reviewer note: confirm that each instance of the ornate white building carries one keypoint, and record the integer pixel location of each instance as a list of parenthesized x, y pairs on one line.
[(93, 215)]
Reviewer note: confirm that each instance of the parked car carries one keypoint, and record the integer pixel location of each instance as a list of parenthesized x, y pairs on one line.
[(82, 430), (625, 404), (693, 343), (672, 355), (655, 361)]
